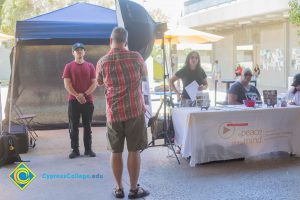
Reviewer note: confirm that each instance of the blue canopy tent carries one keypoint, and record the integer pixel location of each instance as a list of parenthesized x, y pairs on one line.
[(43, 47), (90, 23)]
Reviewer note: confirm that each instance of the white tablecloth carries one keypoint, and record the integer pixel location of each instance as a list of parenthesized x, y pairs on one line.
[(235, 132)]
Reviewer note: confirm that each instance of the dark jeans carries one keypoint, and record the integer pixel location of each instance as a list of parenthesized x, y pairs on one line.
[(86, 112)]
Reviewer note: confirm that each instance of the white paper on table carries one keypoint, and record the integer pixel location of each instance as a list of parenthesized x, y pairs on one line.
[(192, 89)]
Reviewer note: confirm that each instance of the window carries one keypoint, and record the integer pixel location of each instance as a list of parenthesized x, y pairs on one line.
[(244, 56)]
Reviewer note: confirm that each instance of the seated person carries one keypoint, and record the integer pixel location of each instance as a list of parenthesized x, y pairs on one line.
[(293, 95), (242, 89)]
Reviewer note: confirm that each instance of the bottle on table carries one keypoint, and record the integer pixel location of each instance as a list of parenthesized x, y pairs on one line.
[(283, 102), (279, 102)]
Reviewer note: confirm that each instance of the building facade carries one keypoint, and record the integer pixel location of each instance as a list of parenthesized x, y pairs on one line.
[(254, 31)]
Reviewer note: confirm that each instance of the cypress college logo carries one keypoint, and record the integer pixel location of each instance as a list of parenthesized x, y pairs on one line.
[(22, 176)]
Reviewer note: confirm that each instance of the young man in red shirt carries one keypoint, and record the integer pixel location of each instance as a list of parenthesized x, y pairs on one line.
[(80, 82), (121, 72)]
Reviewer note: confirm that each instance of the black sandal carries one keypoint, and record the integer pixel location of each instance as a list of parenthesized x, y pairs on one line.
[(139, 192), (118, 193)]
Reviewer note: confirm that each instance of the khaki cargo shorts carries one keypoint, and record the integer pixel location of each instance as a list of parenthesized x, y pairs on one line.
[(134, 130)]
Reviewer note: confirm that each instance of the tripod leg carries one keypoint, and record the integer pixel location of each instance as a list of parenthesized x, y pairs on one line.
[(150, 144), (153, 141), (172, 147)]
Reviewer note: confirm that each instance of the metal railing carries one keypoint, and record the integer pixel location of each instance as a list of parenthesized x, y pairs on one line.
[(191, 6)]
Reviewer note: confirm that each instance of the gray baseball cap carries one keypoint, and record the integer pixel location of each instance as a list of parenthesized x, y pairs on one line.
[(247, 71), (77, 46)]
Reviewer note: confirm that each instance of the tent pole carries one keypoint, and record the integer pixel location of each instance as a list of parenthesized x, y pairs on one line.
[(170, 54), (12, 88)]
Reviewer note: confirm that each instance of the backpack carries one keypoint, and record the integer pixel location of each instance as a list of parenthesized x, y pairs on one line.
[(8, 151)]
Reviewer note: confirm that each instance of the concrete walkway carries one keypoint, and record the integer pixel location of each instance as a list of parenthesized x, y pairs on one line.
[(272, 176)]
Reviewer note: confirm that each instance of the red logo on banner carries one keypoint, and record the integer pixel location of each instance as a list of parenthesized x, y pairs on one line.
[(237, 124)]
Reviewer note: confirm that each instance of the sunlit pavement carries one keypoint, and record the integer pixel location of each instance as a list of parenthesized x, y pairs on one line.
[(271, 176)]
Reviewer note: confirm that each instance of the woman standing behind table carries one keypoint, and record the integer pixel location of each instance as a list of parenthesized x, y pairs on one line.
[(191, 71), (294, 93)]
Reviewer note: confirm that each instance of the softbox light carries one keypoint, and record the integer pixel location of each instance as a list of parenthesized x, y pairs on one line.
[(139, 24)]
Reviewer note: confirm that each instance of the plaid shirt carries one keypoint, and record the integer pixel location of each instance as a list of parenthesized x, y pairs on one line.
[(121, 73)]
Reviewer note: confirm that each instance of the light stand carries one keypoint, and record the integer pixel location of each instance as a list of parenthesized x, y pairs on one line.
[(166, 102)]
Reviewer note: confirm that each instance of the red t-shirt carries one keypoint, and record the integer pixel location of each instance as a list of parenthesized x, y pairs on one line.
[(80, 75)]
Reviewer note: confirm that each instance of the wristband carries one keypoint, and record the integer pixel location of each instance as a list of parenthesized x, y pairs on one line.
[(84, 94)]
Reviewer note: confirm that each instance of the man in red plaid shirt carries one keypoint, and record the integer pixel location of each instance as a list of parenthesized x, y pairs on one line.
[(121, 72)]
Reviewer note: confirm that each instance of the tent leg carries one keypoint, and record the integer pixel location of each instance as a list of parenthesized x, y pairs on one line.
[(12, 88)]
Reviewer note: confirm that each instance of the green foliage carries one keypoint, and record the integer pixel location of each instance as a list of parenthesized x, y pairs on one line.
[(157, 53), (294, 12), (158, 15), (15, 10), (1, 3)]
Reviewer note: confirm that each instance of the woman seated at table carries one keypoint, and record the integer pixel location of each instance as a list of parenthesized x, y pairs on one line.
[(191, 71), (294, 93), (242, 89)]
